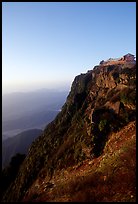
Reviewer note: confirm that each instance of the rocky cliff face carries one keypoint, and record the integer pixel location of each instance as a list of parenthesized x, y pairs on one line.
[(100, 102)]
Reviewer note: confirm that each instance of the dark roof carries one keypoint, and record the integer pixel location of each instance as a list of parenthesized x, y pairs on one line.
[(128, 54)]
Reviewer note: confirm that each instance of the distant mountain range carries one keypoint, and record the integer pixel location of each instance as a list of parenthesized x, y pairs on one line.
[(28, 110), (18, 144), (88, 152)]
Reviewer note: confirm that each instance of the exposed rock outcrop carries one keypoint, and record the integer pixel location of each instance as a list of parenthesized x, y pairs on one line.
[(96, 106)]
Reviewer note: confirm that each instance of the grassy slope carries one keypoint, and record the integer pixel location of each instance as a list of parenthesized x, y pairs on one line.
[(110, 177)]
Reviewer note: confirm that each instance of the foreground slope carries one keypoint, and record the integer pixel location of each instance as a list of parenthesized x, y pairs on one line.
[(109, 178), (100, 103)]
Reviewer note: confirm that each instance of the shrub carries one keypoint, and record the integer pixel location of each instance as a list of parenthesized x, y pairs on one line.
[(128, 96), (9, 173), (124, 98), (102, 124), (115, 75)]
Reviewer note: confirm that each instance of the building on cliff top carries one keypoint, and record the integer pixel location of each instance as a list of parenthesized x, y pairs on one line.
[(129, 57), (126, 58)]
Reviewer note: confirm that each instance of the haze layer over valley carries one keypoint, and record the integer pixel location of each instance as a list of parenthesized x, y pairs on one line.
[(27, 110)]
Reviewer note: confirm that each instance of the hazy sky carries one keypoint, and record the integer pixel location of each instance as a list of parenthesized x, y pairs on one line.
[(48, 44)]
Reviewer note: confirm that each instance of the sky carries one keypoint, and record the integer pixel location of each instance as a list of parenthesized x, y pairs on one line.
[(45, 45)]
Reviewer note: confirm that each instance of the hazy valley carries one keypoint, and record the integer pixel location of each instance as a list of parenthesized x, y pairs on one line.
[(88, 152), (24, 116), (28, 110), (68, 102)]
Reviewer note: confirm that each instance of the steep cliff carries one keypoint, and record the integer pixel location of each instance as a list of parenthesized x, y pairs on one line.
[(101, 102)]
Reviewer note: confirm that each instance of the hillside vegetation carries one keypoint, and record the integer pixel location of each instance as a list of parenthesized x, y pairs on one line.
[(91, 141)]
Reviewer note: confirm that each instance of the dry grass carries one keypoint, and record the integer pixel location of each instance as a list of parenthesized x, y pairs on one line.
[(109, 178)]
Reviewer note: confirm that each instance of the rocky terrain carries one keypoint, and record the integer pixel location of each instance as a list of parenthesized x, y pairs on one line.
[(88, 152)]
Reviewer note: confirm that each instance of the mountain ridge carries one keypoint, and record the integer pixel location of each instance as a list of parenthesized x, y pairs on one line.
[(18, 144), (100, 102)]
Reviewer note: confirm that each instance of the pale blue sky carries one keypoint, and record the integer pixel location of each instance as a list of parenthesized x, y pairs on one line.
[(45, 45)]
